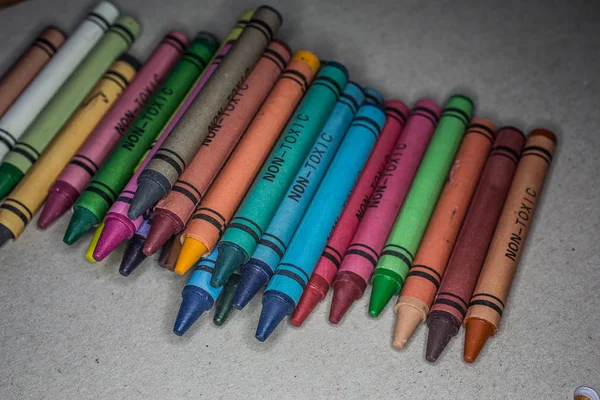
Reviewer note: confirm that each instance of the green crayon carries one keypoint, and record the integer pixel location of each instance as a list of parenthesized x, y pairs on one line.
[(398, 253), (114, 174), (65, 102), (225, 302)]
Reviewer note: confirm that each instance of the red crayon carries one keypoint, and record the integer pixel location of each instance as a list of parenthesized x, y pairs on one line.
[(340, 237)]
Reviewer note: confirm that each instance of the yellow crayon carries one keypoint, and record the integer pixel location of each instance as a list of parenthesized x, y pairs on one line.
[(93, 243)]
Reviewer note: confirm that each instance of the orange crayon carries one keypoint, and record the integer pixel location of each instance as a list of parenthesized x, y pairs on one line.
[(489, 297)]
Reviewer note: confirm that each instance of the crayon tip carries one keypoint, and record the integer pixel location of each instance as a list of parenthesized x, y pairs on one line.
[(407, 321), (315, 291), (113, 234), (133, 255), (195, 302), (442, 327), (146, 195), (253, 278), (383, 290), (162, 229), (165, 251), (5, 235), (9, 177), (225, 303), (477, 332), (190, 253), (276, 306), (82, 221), (89, 254), (229, 259), (347, 288), (60, 198)]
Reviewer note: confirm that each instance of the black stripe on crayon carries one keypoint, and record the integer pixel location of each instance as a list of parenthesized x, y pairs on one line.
[(395, 112), (128, 191), (501, 154), (486, 304), (351, 100), (425, 275), (368, 121), (283, 246), (367, 127), (193, 61), (258, 28), (428, 111), (365, 246), (241, 23), (47, 43), (244, 228), (264, 25), (335, 251), (32, 149), (277, 56), (122, 35), (22, 206), (116, 74), (99, 20), (15, 211), (210, 210), (100, 193), (458, 111), (507, 149), (452, 295), (364, 255), (427, 268), (88, 160), (297, 74), (8, 135), (535, 154), (176, 40), (113, 80), (397, 255), (483, 128), (43, 48), (186, 193), (331, 258), (333, 82), (124, 29), (295, 80), (168, 160), (210, 220), (112, 192), (24, 154), (100, 17), (349, 105), (83, 166), (124, 199), (251, 222), (296, 268), (477, 131), (427, 116), (412, 257), (540, 149), (207, 268), (317, 83), (291, 275), (373, 99), (6, 143), (491, 296), (272, 246), (173, 45), (191, 187), (196, 57), (452, 304), (273, 60)]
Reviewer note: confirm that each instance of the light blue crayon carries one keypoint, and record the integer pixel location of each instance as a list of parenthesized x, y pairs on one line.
[(257, 272), (296, 266)]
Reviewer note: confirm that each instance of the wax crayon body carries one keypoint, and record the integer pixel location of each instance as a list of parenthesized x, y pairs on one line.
[(493, 286), (80, 170), (112, 177), (40, 91), (172, 212), (89, 253), (473, 240), (176, 153), (27, 67), (225, 300), (273, 243), (296, 266), (337, 244), (364, 250), (406, 234), (164, 252), (236, 176), (133, 255), (429, 265), (171, 260), (24, 202)]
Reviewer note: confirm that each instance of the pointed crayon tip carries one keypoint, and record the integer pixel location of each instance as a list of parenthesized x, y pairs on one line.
[(114, 233), (60, 198), (225, 302), (276, 306), (133, 255), (347, 288), (407, 321), (82, 221), (477, 332), (315, 292), (253, 278), (162, 229), (195, 303), (229, 259), (5, 235), (442, 327), (146, 195), (190, 253), (9, 177), (383, 290)]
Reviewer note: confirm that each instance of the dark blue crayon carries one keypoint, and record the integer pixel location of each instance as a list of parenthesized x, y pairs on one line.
[(133, 255)]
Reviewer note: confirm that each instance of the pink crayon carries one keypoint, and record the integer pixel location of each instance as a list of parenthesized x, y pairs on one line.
[(340, 237), (362, 254), (117, 225), (80, 170)]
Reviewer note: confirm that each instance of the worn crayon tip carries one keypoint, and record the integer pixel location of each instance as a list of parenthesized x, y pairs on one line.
[(225, 302), (407, 321), (5, 235), (229, 259), (133, 255), (195, 303), (383, 290), (442, 327), (477, 332), (162, 229), (253, 278), (315, 291), (276, 306), (347, 288), (60, 198), (89, 254), (9, 177), (82, 221), (113, 234), (190, 253), (146, 195)]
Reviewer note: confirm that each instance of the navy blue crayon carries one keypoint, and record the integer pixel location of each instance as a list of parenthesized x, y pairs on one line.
[(296, 266), (133, 255), (273, 243)]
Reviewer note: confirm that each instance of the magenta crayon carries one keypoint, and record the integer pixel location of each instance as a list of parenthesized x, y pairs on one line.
[(80, 170), (339, 240)]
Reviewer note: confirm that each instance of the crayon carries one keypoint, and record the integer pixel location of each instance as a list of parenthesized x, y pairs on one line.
[(292, 273), (66, 101), (273, 243), (403, 241), (133, 255), (339, 240), (164, 252), (40, 91), (363, 252), (82, 167), (426, 272), (171, 260), (164, 169), (198, 296), (488, 301), (468, 254), (585, 393), (172, 212), (89, 253), (111, 178), (27, 198), (28, 66), (225, 301), (229, 188), (255, 213)]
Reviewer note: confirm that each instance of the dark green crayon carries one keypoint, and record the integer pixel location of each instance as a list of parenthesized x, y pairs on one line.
[(225, 302)]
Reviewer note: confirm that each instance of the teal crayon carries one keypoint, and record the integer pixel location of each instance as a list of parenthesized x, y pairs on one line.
[(296, 266), (256, 211), (273, 243)]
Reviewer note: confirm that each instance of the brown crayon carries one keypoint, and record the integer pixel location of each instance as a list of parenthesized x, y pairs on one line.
[(450, 305), (165, 251), (173, 254), (430, 262), (490, 295)]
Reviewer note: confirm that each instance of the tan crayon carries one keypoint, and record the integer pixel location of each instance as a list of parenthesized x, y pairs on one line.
[(22, 72), (426, 272), (490, 294)]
